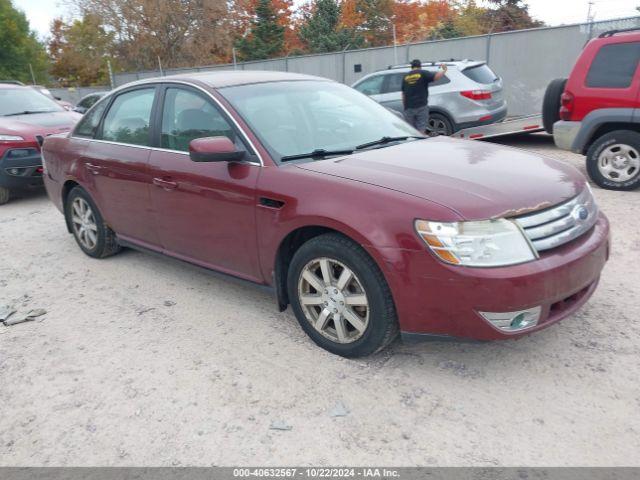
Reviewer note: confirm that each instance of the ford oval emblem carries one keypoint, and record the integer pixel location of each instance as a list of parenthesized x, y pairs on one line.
[(582, 213)]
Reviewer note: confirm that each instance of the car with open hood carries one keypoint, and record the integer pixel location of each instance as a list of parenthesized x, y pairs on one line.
[(362, 224), (26, 118)]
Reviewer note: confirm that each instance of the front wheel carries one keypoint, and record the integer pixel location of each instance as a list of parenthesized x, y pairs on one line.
[(93, 235), (340, 297), (4, 195), (613, 160)]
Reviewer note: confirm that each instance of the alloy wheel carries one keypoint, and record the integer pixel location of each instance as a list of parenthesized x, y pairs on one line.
[(333, 300), (438, 126), (84, 223), (619, 163)]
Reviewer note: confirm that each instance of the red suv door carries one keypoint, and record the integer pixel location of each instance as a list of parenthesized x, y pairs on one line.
[(205, 212), (607, 75)]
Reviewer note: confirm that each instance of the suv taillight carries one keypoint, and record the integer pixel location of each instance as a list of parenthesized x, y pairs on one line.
[(566, 100), (477, 94)]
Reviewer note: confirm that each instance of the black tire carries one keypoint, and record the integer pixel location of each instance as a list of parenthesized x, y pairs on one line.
[(382, 326), (446, 125), (5, 194), (551, 103), (622, 137), (106, 244)]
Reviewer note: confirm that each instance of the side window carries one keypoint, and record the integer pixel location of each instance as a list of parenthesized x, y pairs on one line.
[(371, 86), (88, 125), (443, 81), (394, 83), (614, 66), (186, 116), (128, 119)]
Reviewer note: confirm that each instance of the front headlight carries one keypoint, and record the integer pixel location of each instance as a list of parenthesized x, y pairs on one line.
[(486, 243), (10, 138)]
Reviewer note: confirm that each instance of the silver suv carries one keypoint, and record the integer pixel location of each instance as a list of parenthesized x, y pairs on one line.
[(470, 94)]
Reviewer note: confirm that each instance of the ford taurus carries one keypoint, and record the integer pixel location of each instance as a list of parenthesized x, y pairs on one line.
[(360, 223)]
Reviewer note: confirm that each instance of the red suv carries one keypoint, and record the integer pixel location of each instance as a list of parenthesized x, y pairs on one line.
[(26, 117), (350, 215), (599, 109)]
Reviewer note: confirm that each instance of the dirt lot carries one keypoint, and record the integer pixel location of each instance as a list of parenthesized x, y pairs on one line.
[(117, 374)]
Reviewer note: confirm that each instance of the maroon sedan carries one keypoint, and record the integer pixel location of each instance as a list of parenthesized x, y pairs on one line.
[(355, 219)]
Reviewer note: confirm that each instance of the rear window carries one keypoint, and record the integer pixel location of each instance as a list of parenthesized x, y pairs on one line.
[(614, 66), (481, 74)]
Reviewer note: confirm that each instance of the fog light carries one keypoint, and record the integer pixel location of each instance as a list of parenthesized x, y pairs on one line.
[(514, 321)]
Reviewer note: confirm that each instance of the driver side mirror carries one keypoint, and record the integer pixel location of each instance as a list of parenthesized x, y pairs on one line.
[(214, 149)]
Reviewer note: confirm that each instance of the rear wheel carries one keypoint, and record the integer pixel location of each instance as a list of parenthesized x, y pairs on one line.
[(4, 195), (340, 297), (551, 103), (440, 124), (93, 236), (613, 160)]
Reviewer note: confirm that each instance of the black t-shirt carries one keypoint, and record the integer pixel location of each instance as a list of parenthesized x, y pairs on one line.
[(415, 87)]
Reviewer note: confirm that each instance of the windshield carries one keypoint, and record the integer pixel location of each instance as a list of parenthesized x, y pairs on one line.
[(24, 99), (294, 118)]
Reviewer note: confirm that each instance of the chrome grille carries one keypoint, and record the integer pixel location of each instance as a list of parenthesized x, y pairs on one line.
[(558, 225)]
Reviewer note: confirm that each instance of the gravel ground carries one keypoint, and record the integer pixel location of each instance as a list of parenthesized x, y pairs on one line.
[(144, 361)]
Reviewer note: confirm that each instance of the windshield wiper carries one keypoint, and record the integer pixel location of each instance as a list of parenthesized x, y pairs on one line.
[(319, 153), (27, 112), (385, 140)]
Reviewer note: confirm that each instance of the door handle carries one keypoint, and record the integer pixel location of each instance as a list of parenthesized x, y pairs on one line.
[(94, 169), (166, 184)]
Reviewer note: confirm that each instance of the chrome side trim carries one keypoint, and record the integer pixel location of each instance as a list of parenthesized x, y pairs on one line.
[(207, 93), (558, 225)]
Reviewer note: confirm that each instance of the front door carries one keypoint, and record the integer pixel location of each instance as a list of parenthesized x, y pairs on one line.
[(205, 212)]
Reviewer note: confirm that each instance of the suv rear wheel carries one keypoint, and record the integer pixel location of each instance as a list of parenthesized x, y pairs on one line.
[(340, 297), (440, 124), (613, 160), (551, 103), (4, 195), (92, 234)]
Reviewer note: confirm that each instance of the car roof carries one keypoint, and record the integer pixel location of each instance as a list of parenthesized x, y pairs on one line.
[(230, 78)]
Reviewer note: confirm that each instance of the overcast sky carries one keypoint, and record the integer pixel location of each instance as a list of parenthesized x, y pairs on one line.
[(553, 12)]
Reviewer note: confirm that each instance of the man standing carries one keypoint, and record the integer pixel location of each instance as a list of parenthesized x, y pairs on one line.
[(415, 94)]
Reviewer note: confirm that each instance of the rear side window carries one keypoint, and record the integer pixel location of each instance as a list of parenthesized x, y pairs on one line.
[(128, 119), (614, 66), (187, 116), (480, 74), (371, 86), (89, 124), (394, 82)]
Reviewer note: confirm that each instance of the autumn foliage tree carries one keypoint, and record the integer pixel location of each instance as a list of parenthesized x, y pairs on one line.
[(79, 51)]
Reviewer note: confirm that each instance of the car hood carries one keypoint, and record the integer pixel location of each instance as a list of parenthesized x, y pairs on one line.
[(38, 123), (477, 180)]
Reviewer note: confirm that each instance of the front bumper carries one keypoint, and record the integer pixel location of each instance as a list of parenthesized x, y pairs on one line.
[(21, 171), (565, 133), (440, 300)]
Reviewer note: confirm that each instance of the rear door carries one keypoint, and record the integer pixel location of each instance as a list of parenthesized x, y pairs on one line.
[(117, 160)]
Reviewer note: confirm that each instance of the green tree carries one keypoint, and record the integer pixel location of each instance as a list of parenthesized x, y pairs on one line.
[(446, 29), (265, 38), (80, 51), (19, 47), (510, 15), (321, 30)]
